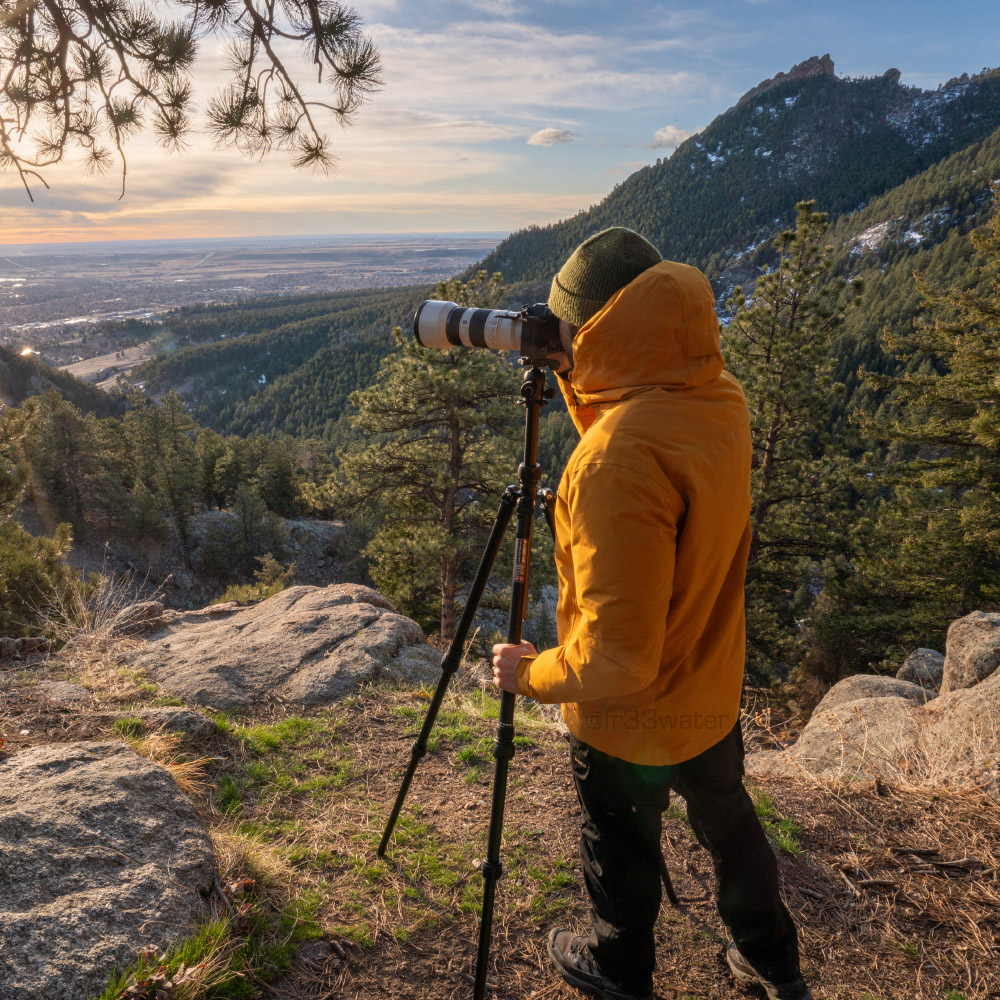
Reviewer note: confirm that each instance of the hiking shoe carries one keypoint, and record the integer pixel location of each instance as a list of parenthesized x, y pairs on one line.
[(572, 957), (745, 973)]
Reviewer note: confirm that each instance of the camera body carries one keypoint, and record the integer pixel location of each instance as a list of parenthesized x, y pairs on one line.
[(533, 332)]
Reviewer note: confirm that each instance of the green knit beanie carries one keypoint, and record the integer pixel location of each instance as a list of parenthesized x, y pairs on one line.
[(598, 268)]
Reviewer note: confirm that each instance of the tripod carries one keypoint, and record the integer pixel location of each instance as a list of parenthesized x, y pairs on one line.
[(522, 498), (534, 395)]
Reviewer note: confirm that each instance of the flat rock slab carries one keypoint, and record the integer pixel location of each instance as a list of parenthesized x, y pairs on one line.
[(312, 645), (100, 855), (64, 691)]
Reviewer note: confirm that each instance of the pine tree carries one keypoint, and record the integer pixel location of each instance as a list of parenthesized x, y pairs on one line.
[(209, 448), (276, 478), (92, 75), (177, 477), (779, 345), (160, 437), (62, 458), (235, 544), (442, 426), (937, 544), (35, 582)]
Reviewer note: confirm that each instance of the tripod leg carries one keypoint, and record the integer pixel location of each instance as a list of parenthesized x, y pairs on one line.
[(453, 657), (667, 883), (492, 867), (548, 499), (529, 473)]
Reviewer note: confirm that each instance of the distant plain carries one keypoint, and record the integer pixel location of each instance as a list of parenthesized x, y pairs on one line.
[(45, 289)]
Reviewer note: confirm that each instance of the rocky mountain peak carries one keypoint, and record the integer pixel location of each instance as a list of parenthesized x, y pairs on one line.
[(813, 66)]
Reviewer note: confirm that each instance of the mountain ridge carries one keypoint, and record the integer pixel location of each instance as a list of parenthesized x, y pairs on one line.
[(813, 66), (807, 133)]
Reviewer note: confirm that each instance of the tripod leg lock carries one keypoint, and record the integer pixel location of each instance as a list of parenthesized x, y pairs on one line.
[(418, 750), (503, 745), (492, 870)]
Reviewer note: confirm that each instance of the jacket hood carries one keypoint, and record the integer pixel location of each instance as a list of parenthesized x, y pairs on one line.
[(660, 331)]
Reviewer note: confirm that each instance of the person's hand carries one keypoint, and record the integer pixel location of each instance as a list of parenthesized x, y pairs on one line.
[(506, 657)]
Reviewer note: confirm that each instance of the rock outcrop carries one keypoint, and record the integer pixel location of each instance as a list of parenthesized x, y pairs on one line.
[(894, 729), (64, 692), (309, 645), (100, 855), (813, 66), (973, 651), (924, 667), (137, 619), (19, 649), (862, 686)]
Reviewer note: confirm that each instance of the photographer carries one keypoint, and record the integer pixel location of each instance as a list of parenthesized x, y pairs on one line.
[(652, 540)]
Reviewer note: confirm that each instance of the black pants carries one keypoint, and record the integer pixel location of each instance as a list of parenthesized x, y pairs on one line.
[(620, 848)]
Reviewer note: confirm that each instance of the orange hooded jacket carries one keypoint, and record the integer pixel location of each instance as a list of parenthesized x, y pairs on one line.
[(653, 529)]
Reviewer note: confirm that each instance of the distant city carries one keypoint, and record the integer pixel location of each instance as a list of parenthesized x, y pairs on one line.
[(45, 288), (92, 308)]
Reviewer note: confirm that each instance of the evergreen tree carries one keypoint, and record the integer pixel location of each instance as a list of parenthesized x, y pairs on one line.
[(442, 424), (91, 75), (936, 553), (177, 477), (779, 345), (209, 448), (62, 456), (276, 478), (234, 545), (14, 470), (160, 437), (35, 584)]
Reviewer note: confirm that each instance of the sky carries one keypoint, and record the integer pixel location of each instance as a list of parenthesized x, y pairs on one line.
[(499, 114)]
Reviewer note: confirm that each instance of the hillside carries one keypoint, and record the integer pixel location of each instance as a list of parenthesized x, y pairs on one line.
[(22, 376), (283, 367), (804, 134)]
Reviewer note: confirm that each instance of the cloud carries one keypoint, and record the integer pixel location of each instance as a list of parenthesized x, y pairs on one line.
[(483, 208), (567, 71), (501, 8), (550, 136), (669, 137)]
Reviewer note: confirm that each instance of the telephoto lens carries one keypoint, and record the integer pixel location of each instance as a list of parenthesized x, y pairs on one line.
[(533, 332)]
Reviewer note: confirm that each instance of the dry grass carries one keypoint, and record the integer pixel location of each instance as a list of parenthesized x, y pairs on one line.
[(163, 748), (90, 611), (241, 855)]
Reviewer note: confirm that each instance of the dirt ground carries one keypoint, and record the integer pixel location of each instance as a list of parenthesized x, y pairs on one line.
[(896, 891)]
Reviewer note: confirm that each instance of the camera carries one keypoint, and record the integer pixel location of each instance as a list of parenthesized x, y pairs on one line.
[(533, 332)]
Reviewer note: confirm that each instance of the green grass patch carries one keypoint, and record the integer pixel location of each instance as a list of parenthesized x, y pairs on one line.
[(361, 933), (129, 728), (231, 791), (236, 963), (782, 830)]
